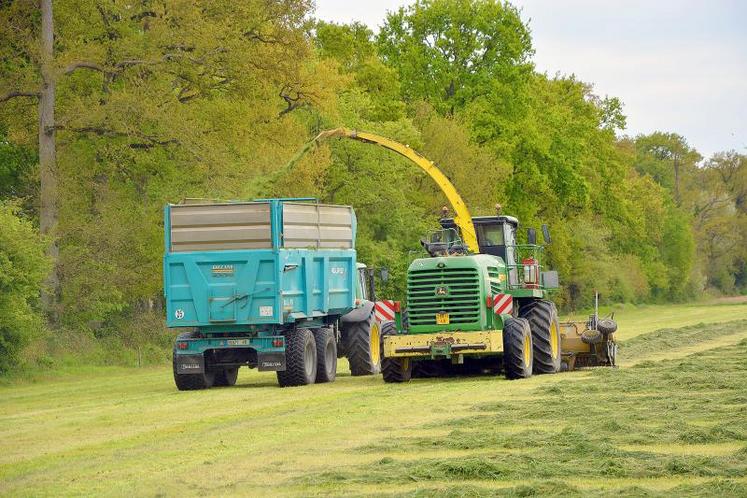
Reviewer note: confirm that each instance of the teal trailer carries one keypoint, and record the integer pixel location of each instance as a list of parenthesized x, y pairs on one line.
[(261, 284)]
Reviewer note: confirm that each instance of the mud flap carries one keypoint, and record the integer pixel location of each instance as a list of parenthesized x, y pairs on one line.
[(190, 364), (271, 362)]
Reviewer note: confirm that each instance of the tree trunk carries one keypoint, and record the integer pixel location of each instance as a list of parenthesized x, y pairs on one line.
[(48, 160)]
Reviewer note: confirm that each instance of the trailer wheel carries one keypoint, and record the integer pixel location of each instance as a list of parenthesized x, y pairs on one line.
[(191, 382), (543, 322), (300, 359), (394, 370), (361, 341), (326, 355), (517, 349), (226, 377)]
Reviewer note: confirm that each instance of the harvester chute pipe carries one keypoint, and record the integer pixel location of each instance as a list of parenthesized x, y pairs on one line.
[(462, 217)]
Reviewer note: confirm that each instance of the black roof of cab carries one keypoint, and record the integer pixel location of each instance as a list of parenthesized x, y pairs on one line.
[(482, 220)]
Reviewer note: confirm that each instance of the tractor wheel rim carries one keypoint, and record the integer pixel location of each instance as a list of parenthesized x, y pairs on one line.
[(375, 343), (527, 351), (554, 340)]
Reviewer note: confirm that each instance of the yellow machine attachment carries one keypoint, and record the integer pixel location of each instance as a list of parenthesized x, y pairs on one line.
[(462, 218), (443, 344), (591, 343)]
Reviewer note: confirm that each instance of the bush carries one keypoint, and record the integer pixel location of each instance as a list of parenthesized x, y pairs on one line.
[(23, 267)]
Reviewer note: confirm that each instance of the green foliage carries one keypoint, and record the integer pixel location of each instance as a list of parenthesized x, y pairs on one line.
[(450, 52), (677, 252), (447, 142), (16, 165), (353, 48), (668, 159), (174, 102), (721, 221), (23, 267)]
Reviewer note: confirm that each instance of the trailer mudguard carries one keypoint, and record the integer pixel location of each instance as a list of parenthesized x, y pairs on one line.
[(189, 363), (271, 362)]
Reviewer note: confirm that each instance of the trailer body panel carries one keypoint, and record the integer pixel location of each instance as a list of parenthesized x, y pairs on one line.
[(252, 273)]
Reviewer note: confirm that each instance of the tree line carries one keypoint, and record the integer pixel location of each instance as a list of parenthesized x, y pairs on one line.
[(109, 110)]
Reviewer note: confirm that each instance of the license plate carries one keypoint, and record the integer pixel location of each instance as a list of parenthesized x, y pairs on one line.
[(442, 318), (238, 342)]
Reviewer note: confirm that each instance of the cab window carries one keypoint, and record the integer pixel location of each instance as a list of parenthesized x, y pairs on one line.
[(490, 235)]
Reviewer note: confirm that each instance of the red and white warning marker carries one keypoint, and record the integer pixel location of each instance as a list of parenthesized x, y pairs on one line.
[(503, 304), (384, 310)]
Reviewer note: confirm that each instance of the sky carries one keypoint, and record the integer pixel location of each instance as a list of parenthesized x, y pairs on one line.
[(677, 65)]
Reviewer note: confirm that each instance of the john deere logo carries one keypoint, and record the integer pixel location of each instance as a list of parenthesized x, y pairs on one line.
[(442, 291)]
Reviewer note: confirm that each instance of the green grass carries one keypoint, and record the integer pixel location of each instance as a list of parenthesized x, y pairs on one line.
[(672, 423)]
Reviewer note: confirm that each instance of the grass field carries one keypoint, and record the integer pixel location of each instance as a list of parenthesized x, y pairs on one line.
[(671, 422)]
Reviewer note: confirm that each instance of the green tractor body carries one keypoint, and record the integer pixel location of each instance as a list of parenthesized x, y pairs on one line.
[(488, 309)]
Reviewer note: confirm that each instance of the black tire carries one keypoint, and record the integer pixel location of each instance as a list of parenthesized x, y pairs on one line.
[(607, 326), (517, 349), (226, 377), (543, 322), (394, 370), (591, 337), (361, 341), (326, 355), (191, 382), (340, 349), (300, 359)]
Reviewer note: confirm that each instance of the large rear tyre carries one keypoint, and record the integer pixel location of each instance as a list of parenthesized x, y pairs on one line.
[(361, 341), (300, 359), (190, 382), (326, 355), (226, 377), (394, 370), (517, 349), (543, 322)]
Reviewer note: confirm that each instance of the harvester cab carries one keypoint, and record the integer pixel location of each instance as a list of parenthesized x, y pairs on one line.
[(496, 235)]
